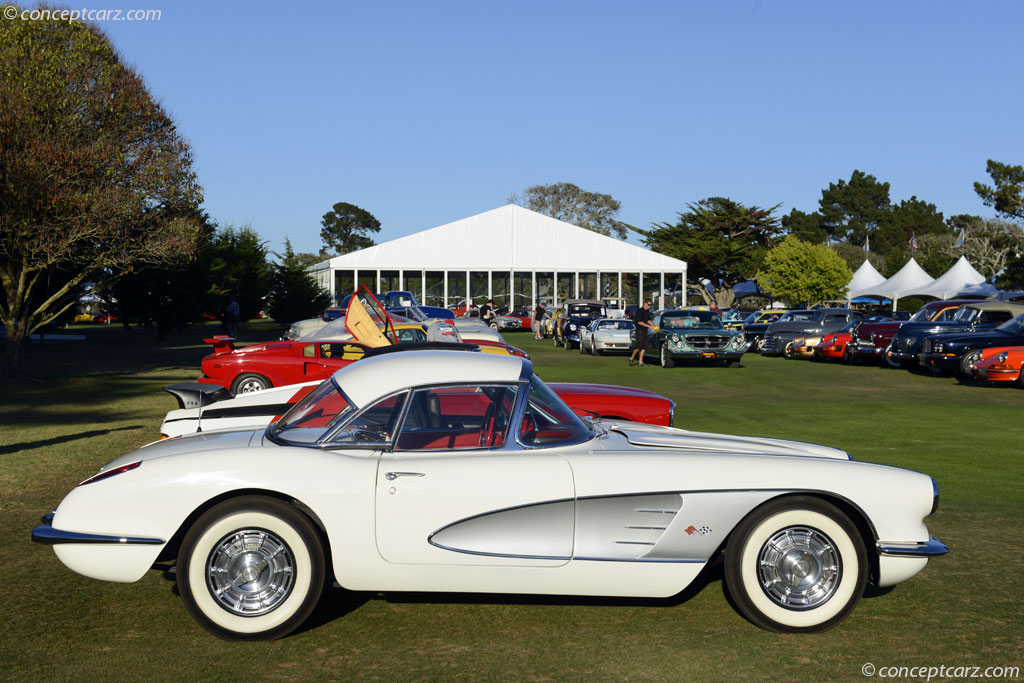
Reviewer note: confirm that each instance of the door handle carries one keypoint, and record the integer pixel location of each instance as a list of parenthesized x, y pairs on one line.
[(391, 476)]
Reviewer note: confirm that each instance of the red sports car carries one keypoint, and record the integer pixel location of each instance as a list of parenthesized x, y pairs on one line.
[(834, 344), (208, 407), (1001, 364)]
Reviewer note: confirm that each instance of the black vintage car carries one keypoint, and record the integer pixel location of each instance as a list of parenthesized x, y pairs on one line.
[(969, 318), (955, 353), (575, 314)]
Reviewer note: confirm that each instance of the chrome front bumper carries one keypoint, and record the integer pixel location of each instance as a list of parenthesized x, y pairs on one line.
[(932, 548), (45, 533)]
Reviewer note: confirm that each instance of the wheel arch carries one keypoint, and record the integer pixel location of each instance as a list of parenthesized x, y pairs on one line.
[(853, 512), (172, 548)]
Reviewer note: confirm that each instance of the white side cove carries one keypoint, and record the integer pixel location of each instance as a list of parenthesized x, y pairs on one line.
[(667, 437)]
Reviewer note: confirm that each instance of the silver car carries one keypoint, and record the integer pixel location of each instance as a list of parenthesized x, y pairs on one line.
[(606, 335)]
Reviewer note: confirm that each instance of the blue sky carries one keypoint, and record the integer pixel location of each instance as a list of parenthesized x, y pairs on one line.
[(427, 112)]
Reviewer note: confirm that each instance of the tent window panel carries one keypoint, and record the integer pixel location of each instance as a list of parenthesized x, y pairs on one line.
[(545, 287), (478, 287), (630, 288), (674, 291), (434, 296), (344, 284), (566, 286), (456, 288), (414, 283), (389, 281), (652, 287), (588, 286), (367, 278), (522, 290), (500, 285), (609, 284)]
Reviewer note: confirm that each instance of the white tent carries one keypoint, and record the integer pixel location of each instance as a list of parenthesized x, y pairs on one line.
[(511, 254), (866, 276), (910, 277), (959, 279)]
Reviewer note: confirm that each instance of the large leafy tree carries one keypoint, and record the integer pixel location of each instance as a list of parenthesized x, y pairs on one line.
[(799, 272), (347, 228), (93, 175), (572, 204), (722, 241), (1006, 194), (294, 295)]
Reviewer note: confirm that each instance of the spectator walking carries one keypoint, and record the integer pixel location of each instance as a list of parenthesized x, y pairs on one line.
[(643, 326)]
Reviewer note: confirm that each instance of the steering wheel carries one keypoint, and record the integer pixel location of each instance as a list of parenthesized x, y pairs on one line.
[(369, 436)]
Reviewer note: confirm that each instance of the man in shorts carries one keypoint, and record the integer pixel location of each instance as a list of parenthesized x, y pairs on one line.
[(643, 326)]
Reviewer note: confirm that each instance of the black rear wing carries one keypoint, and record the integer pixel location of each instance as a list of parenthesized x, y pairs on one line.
[(197, 394)]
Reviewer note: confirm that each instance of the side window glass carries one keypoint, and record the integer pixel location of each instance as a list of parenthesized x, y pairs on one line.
[(309, 350), (993, 317), (455, 418), (373, 425)]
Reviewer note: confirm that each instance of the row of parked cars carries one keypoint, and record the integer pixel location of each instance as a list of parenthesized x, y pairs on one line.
[(970, 338)]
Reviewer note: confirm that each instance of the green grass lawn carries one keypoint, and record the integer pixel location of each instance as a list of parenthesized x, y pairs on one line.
[(92, 401)]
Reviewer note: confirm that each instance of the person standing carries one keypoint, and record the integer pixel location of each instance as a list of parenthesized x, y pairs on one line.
[(538, 319), (643, 326), (487, 312), (232, 312)]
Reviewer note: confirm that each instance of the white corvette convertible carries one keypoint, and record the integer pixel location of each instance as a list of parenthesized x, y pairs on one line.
[(439, 471)]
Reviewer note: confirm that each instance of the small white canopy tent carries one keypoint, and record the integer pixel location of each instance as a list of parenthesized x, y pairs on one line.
[(959, 279), (866, 276), (910, 277)]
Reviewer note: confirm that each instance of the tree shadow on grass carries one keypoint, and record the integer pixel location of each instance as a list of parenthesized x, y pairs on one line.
[(25, 445)]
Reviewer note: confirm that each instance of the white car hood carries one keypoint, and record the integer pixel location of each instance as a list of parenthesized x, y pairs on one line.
[(204, 441), (667, 437)]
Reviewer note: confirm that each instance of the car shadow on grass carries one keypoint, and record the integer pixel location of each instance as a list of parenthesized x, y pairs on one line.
[(26, 445)]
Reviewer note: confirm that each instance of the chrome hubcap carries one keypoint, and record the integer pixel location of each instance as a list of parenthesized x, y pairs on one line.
[(799, 568), (251, 386), (250, 572)]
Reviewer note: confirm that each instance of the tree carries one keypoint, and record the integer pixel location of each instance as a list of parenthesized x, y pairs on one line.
[(809, 227), (347, 227), (294, 295), (798, 272), (989, 244), (93, 175), (239, 268), (910, 218), (722, 241), (308, 259), (1007, 197), (853, 210), (569, 203)]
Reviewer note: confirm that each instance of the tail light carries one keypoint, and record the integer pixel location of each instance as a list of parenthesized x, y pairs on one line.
[(110, 473)]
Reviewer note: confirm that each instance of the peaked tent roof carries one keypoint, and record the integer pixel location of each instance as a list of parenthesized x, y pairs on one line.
[(910, 276), (961, 277), (866, 276), (507, 238)]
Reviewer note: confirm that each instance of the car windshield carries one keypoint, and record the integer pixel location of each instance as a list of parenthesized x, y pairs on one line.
[(586, 310), (691, 320), (615, 325), (923, 314), (308, 419), (849, 327), (547, 421), (797, 316), (1015, 326)]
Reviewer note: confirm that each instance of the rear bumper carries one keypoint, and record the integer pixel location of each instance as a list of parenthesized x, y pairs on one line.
[(47, 534)]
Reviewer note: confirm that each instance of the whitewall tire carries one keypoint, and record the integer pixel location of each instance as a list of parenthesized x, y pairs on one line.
[(251, 568), (796, 564)]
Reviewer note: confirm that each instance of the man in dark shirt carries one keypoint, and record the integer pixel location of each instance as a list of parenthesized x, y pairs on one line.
[(538, 318), (487, 312), (643, 326)]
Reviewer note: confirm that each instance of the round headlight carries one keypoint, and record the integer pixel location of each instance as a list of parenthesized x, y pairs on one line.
[(675, 338), (1002, 357), (572, 326)]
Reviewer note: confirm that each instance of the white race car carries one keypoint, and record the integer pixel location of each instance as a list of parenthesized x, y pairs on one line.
[(441, 471), (607, 335)]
